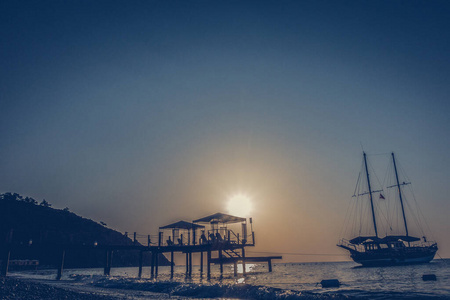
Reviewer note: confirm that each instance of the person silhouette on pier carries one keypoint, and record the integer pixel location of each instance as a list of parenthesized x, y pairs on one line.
[(203, 239), (212, 238), (219, 237)]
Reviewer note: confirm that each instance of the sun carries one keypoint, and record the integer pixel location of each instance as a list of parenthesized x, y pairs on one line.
[(239, 205)]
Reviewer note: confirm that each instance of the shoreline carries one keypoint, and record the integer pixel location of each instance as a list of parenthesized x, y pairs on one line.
[(12, 288), (33, 289)]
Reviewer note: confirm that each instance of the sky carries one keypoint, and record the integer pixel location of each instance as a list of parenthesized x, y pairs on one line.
[(142, 113)]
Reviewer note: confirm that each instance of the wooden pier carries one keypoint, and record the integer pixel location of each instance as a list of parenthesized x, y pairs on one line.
[(220, 241)]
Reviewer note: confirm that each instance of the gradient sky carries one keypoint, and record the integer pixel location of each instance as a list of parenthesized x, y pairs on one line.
[(140, 113)]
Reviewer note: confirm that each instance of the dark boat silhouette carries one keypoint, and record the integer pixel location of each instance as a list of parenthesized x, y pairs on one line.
[(373, 250)]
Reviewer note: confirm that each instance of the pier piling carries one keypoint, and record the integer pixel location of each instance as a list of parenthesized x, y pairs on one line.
[(61, 265), (152, 265), (7, 253), (140, 264), (243, 261), (221, 262), (187, 264), (190, 264), (208, 264), (5, 261), (156, 264), (201, 263), (171, 265), (107, 269)]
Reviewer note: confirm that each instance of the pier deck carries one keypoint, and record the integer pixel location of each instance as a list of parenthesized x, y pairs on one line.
[(222, 241)]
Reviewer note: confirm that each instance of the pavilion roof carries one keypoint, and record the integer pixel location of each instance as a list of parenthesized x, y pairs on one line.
[(220, 218), (362, 239), (389, 238), (406, 238), (182, 225)]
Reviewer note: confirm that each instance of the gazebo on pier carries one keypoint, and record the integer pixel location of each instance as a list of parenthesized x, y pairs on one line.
[(225, 241), (181, 241), (184, 227), (219, 228), (225, 238)]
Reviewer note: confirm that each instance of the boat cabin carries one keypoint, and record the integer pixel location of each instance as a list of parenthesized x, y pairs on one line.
[(370, 246), (388, 242)]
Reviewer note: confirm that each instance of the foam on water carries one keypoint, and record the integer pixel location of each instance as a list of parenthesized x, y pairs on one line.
[(210, 290)]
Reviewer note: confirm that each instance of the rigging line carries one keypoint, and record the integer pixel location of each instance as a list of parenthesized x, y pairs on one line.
[(290, 253), (388, 202), (416, 212), (381, 204), (420, 214), (397, 212), (354, 228), (357, 183), (360, 203), (444, 260), (360, 214), (347, 220), (350, 223), (353, 218), (420, 217), (373, 173), (397, 206), (378, 207), (416, 218)]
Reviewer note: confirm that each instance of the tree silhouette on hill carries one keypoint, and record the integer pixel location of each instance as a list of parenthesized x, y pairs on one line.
[(24, 221)]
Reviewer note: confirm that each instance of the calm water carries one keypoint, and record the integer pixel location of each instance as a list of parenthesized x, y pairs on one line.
[(402, 282)]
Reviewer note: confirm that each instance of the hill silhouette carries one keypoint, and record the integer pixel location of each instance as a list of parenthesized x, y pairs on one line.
[(24, 221)]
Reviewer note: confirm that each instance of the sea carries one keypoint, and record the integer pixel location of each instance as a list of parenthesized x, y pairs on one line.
[(287, 281)]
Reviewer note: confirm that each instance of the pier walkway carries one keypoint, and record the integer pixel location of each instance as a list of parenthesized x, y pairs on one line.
[(219, 241)]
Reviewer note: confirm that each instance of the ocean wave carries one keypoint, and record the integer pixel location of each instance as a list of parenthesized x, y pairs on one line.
[(381, 295), (211, 290)]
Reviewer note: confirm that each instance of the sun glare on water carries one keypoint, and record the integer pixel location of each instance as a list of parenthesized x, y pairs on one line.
[(240, 205)]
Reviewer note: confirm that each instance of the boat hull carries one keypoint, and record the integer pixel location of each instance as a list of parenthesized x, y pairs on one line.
[(416, 255)]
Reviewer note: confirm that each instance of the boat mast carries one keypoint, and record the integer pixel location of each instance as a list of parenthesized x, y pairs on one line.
[(400, 194), (370, 194)]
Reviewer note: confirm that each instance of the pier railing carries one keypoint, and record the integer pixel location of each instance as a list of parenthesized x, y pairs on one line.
[(230, 249), (210, 237)]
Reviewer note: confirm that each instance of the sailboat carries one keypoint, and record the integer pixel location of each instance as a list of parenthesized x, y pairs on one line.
[(391, 249)]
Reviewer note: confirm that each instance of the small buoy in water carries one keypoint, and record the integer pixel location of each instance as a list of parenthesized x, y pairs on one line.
[(429, 277), (330, 283)]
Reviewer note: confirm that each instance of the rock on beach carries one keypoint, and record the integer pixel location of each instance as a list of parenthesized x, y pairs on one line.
[(13, 289)]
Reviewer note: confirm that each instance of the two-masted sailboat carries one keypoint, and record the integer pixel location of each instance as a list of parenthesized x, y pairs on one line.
[(391, 249)]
